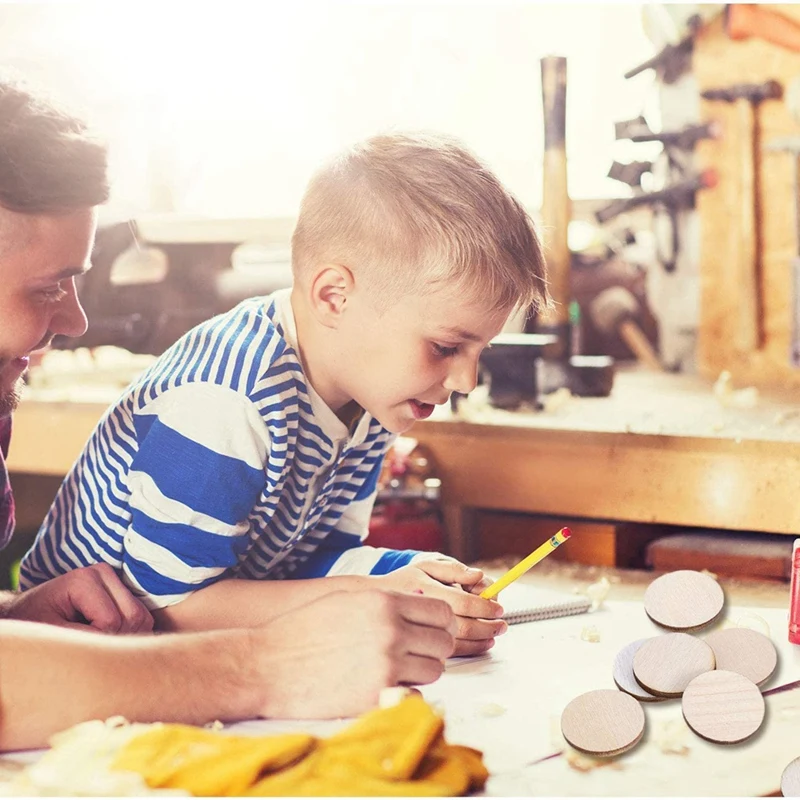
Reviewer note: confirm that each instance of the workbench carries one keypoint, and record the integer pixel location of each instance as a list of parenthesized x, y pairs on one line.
[(508, 704), (661, 449)]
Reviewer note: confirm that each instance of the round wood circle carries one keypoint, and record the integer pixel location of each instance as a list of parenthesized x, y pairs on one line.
[(723, 707), (790, 780), (684, 600), (603, 722), (666, 664), (745, 651), (624, 677)]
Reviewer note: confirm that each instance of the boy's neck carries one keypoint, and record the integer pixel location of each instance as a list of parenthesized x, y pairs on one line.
[(314, 357)]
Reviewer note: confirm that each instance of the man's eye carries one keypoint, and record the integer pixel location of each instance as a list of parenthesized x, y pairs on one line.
[(52, 294), (444, 352)]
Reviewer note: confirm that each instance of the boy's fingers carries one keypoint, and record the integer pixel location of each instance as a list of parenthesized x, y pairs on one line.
[(483, 583), (449, 572)]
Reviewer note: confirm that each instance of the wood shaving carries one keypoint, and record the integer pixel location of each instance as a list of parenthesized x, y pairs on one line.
[(586, 763), (590, 633), (598, 592), (492, 710), (670, 737), (753, 621), (730, 397)]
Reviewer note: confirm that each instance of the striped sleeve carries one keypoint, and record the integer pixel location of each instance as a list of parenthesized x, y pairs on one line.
[(342, 551), (194, 480)]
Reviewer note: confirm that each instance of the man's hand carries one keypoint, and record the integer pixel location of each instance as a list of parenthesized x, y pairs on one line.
[(92, 597), (478, 620), (332, 657)]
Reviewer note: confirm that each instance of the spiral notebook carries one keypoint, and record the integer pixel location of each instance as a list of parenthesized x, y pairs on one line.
[(529, 604)]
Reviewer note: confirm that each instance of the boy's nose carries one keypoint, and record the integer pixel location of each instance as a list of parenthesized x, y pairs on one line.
[(69, 318), (463, 376)]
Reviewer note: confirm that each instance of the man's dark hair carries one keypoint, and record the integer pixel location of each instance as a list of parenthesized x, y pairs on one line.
[(50, 163)]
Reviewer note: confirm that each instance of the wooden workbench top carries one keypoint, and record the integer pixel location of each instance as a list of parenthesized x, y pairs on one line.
[(646, 403)]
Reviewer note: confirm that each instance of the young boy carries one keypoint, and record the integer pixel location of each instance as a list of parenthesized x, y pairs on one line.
[(251, 449)]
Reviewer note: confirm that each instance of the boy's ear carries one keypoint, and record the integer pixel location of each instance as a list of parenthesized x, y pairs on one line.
[(330, 289)]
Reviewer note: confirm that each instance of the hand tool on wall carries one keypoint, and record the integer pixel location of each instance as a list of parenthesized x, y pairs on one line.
[(683, 139), (746, 20), (556, 210), (615, 311), (630, 173), (749, 97), (679, 195), (674, 59), (791, 145)]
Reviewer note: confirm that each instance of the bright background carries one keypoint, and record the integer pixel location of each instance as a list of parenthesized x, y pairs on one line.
[(224, 108)]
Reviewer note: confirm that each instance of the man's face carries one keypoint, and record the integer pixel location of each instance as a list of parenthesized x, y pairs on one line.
[(40, 256), (413, 356)]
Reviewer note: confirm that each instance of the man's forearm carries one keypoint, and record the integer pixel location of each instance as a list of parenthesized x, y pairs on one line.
[(236, 603), (52, 678)]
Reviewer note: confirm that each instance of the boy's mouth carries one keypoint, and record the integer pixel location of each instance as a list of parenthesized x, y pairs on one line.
[(421, 410)]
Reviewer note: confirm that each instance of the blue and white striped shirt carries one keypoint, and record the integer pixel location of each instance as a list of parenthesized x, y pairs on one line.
[(220, 461)]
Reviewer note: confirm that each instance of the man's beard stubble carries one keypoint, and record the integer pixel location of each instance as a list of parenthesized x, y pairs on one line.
[(9, 400)]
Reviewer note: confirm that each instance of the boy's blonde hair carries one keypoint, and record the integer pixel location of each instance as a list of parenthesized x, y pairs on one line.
[(403, 211)]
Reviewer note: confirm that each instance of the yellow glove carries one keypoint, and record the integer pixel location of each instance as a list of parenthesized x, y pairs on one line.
[(206, 763)]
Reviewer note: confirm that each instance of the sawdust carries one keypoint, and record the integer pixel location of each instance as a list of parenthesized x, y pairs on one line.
[(670, 737), (492, 710), (730, 397), (586, 763), (597, 592), (589, 633)]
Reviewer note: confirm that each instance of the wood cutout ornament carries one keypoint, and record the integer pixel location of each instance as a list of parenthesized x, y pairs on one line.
[(790, 780), (745, 651), (723, 707), (684, 600), (665, 665), (624, 677), (603, 722)]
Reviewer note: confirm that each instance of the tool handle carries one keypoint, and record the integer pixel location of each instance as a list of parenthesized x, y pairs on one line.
[(639, 345), (748, 333), (555, 195)]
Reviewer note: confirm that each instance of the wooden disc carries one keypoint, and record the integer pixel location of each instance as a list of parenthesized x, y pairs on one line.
[(790, 780), (624, 677), (666, 664), (603, 722), (745, 651), (684, 600), (723, 707)]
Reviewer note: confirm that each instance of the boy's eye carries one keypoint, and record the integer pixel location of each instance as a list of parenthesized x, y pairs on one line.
[(53, 294), (443, 351)]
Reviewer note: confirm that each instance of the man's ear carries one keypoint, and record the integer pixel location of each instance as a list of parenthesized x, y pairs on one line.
[(331, 288)]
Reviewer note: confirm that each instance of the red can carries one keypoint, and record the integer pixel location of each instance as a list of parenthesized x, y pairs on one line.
[(794, 601)]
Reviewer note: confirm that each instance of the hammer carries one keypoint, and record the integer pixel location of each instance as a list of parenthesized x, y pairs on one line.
[(613, 311), (749, 97)]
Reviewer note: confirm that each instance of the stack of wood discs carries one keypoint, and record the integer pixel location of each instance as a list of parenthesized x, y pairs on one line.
[(717, 678)]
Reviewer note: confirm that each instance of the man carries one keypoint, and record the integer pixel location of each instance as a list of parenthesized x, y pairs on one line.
[(52, 176)]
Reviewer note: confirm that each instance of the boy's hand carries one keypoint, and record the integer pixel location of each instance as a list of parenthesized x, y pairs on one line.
[(478, 620), (332, 657), (92, 597)]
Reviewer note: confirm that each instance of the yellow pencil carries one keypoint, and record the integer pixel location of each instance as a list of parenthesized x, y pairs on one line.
[(534, 558)]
